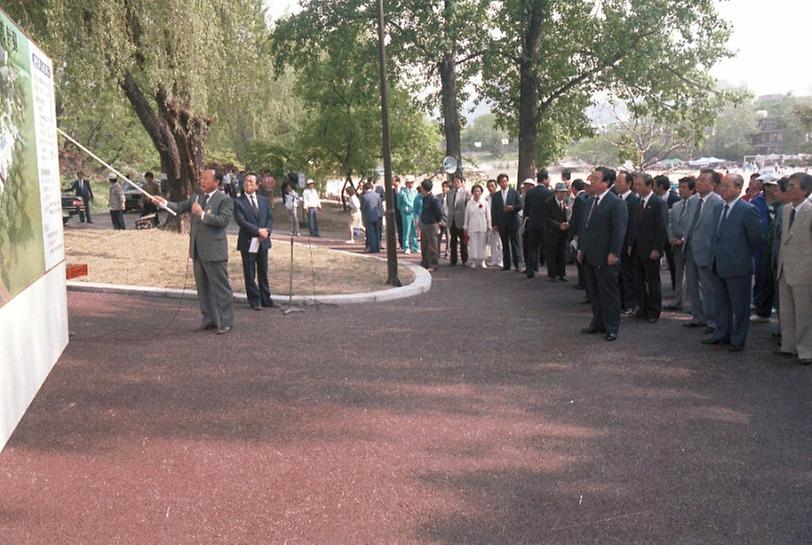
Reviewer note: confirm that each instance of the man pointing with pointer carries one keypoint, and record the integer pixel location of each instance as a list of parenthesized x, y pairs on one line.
[(211, 213)]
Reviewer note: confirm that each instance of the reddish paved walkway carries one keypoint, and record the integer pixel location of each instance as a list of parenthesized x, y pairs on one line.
[(474, 413)]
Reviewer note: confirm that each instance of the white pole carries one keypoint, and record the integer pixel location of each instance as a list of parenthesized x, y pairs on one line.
[(119, 174)]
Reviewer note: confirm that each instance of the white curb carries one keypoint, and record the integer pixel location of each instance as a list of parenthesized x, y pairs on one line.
[(421, 284)]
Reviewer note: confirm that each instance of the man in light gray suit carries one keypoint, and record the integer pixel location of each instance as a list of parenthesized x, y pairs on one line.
[(679, 221), (457, 199), (736, 239), (696, 250), (208, 247)]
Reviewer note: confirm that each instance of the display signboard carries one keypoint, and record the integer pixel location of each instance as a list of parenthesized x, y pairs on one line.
[(33, 301)]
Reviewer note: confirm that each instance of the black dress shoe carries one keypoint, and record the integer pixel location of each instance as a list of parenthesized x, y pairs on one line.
[(610, 337), (783, 353), (735, 348), (592, 329), (256, 307), (206, 327), (711, 340), (578, 287), (268, 305), (224, 330), (708, 330), (505, 268), (530, 274), (694, 324), (805, 361), (652, 320), (562, 279), (586, 301)]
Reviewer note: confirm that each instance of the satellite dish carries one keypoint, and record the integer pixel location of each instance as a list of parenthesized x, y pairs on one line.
[(450, 165)]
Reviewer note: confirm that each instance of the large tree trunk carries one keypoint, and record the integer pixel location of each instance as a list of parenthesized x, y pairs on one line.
[(528, 92), (452, 127), (177, 135)]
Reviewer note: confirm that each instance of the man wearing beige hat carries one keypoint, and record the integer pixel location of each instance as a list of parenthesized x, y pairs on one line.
[(115, 202), (556, 227)]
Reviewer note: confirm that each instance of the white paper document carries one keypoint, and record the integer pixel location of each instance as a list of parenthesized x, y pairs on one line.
[(254, 248)]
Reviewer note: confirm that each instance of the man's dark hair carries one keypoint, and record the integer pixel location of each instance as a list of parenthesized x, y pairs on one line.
[(783, 183), (662, 182), (716, 177), (445, 184), (148, 174), (368, 185), (489, 182), (503, 175), (542, 175), (805, 181), (579, 184), (690, 180), (395, 179), (80, 174), (427, 185), (371, 180), (566, 175), (647, 178), (628, 175), (607, 174)]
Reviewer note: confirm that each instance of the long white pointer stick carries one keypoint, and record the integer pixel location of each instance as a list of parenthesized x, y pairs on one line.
[(119, 174)]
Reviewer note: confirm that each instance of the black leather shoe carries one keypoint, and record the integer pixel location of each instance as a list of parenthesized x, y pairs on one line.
[(505, 268), (562, 279), (694, 324), (268, 305), (585, 301), (783, 353), (577, 287), (711, 340), (256, 307), (735, 348), (530, 274), (206, 327), (652, 320), (224, 330), (709, 330), (610, 337), (592, 329), (805, 361)]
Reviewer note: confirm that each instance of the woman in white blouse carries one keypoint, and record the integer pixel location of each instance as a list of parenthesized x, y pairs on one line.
[(477, 222)]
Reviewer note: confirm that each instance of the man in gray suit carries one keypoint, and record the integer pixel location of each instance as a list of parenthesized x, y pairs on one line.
[(599, 249), (679, 221), (736, 239), (211, 213), (696, 250), (457, 199)]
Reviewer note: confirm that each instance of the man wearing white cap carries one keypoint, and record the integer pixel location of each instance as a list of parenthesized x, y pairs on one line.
[(115, 202), (312, 204)]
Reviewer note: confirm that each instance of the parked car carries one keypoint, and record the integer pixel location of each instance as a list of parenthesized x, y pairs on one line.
[(132, 197), (71, 206)]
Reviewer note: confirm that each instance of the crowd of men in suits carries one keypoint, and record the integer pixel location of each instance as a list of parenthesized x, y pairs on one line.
[(621, 226)]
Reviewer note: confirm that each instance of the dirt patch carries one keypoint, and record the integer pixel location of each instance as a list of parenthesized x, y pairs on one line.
[(157, 258)]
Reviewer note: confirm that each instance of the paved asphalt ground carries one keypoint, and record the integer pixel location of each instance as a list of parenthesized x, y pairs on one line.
[(475, 413)]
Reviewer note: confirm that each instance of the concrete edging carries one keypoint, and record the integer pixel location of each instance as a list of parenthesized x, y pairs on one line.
[(421, 284)]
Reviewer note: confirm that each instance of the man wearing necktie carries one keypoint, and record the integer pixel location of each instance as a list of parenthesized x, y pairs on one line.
[(599, 248), (208, 247), (679, 221), (556, 228), (736, 238), (795, 270), (252, 212)]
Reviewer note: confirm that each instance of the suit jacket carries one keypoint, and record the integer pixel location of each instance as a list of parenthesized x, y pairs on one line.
[(82, 189), (251, 221), (534, 207), (456, 211), (735, 241), (505, 220), (632, 204), (208, 235), (795, 255), (651, 228), (553, 218), (699, 239), (604, 232), (680, 216), (579, 208), (371, 207)]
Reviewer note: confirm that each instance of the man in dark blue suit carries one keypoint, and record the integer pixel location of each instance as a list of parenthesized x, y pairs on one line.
[(371, 215), (82, 188), (599, 248), (534, 207), (505, 208), (623, 189), (252, 212), (737, 237)]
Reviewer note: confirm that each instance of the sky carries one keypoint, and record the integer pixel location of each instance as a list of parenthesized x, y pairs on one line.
[(770, 40)]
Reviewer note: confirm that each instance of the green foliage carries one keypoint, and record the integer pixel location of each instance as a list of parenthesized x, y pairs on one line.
[(653, 54)]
